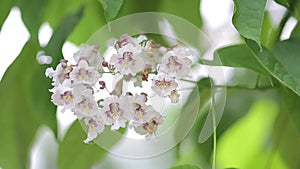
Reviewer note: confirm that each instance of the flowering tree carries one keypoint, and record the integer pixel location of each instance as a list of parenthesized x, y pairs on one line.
[(137, 89)]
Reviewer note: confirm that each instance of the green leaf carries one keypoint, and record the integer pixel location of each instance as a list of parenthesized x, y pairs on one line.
[(290, 103), (185, 166), (240, 56), (45, 110), (74, 153), (5, 9), (248, 18), (18, 123), (111, 8), (289, 4), (282, 63), (61, 34), (246, 144), (189, 10), (190, 150), (296, 32), (285, 3), (287, 137), (32, 14), (185, 9), (93, 17), (268, 32)]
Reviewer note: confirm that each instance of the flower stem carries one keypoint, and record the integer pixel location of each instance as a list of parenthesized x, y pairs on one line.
[(214, 132), (214, 138)]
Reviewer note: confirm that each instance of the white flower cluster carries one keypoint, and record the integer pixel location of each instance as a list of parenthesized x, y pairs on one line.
[(75, 85)]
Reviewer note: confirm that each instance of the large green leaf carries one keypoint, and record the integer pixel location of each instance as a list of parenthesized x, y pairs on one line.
[(32, 14), (24, 93), (240, 56), (248, 18), (18, 122), (5, 8), (45, 110), (74, 153), (282, 62), (111, 8), (185, 166)]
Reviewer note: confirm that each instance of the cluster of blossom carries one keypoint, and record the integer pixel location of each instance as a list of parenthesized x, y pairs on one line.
[(135, 58)]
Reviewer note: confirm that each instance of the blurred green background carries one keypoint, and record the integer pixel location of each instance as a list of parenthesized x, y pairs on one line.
[(260, 127)]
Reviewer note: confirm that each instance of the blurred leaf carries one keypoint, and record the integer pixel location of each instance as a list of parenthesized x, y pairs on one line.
[(238, 103), (189, 150), (5, 9), (290, 103), (296, 32), (92, 19), (268, 32), (32, 14), (168, 7), (247, 144), (185, 9), (287, 138), (61, 34), (282, 62), (18, 123), (291, 5), (111, 8), (285, 3), (248, 18), (45, 110), (189, 10), (190, 107), (240, 56), (74, 153), (185, 166), (56, 10)]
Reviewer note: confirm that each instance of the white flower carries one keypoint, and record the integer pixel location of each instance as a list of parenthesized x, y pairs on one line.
[(152, 53), (163, 85), (49, 72), (95, 127), (174, 96), (63, 95), (149, 128), (60, 74), (127, 60), (175, 65), (90, 54), (113, 111), (182, 51), (138, 112), (85, 104), (84, 74), (126, 39)]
